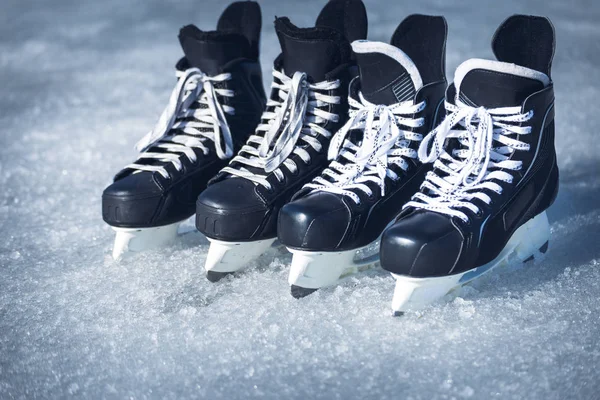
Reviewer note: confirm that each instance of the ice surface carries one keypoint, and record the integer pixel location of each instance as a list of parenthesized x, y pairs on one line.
[(82, 81)]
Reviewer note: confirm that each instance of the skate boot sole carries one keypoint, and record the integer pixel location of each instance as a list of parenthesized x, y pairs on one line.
[(529, 242), (314, 270), (129, 240)]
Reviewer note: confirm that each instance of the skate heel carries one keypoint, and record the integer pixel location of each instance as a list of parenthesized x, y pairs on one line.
[(227, 257), (529, 242), (534, 241), (139, 239)]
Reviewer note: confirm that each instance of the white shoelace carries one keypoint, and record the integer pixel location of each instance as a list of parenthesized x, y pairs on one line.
[(472, 168), (384, 144), (294, 118), (193, 86)]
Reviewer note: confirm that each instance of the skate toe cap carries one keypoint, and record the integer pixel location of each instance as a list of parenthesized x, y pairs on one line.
[(132, 201), (318, 221), (234, 194), (423, 244), (140, 185), (230, 210)]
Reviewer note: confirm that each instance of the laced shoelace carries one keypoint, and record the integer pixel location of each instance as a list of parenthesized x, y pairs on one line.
[(384, 144), (484, 156), (294, 118), (181, 128)]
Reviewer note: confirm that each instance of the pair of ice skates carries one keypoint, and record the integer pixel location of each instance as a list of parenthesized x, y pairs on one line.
[(360, 141)]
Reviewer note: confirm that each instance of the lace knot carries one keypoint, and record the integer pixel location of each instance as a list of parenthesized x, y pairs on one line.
[(190, 86), (293, 116), (188, 127), (485, 142), (280, 140), (383, 143)]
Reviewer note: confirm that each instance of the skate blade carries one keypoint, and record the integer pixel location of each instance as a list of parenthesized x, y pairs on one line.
[(314, 270), (128, 240), (227, 257), (528, 242)]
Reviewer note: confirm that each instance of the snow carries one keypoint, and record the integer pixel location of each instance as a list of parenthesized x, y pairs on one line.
[(82, 81)]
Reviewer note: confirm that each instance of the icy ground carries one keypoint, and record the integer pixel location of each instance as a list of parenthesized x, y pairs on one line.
[(81, 81)]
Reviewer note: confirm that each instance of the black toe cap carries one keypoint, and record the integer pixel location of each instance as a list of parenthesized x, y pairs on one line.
[(139, 185), (317, 222), (132, 201), (423, 244), (230, 210)]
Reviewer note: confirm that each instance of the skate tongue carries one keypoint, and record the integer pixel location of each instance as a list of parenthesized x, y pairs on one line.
[(314, 51), (494, 84), (209, 51), (387, 74)]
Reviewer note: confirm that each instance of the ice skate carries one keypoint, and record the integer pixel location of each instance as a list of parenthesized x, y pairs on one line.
[(239, 210), (213, 109), (374, 168), (495, 172)]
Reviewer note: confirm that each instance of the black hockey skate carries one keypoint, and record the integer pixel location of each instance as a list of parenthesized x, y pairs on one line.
[(214, 108), (238, 212), (495, 172), (335, 220)]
